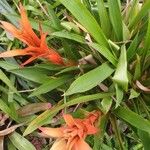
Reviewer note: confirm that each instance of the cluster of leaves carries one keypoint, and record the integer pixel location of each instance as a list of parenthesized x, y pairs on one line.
[(110, 41)]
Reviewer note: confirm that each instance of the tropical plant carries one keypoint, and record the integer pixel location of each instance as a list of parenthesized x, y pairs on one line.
[(95, 58)]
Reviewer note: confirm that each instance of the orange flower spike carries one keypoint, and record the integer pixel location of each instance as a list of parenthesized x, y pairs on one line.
[(37, 47), (72, 135), (27, 30)]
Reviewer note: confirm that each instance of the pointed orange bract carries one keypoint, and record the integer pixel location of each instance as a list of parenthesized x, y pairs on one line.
[(37, 47), (72, 135)]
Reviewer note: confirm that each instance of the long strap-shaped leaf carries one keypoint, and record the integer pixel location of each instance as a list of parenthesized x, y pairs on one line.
[(116, 19), (90, 79), (47, 115), (82, 14), (5, 9), (20, 142), (4, 78), (133, 118), (104, 18), (145, 9)]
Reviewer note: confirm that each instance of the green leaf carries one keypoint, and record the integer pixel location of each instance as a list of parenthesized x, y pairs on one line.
[(131, 51), (90, 79), (132, 12), (104, 18), (68, 35), (47, 115), (145, 138), (133, 118), (105, 52), (8, 66), (50, 85), (18, 98), (70, 26), (87, 4), (32, 73), (106, 104), (133, 94), (20, 142), (53, 17), (119, 95), (75, 68), (146, 42), (49, 66), (98, 137), (145, 9), (6, 110), (10, 99), (5, 9), (10, 146), (86, 19), (12, 16), (116, 18), (4, 78), (147, 38), (126, 32), (121, 77), (106, 147), (137, 73)]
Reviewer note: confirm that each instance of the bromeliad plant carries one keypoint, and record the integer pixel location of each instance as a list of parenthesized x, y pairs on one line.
[(73, 134), (37, 47), (102, 92)]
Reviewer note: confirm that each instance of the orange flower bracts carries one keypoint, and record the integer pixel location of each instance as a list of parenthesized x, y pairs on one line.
[(37, 47), (72, 135)]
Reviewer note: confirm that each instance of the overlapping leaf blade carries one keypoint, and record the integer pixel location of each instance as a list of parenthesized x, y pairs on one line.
[(83, 16), (47, 115), (90, 79)]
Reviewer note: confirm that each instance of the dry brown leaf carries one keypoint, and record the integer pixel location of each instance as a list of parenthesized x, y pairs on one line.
[(9, 130), (33, 108), (87, 59), (142, 87)]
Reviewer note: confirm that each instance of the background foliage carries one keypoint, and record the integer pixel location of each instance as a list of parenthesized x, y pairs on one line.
[(110, 42)]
